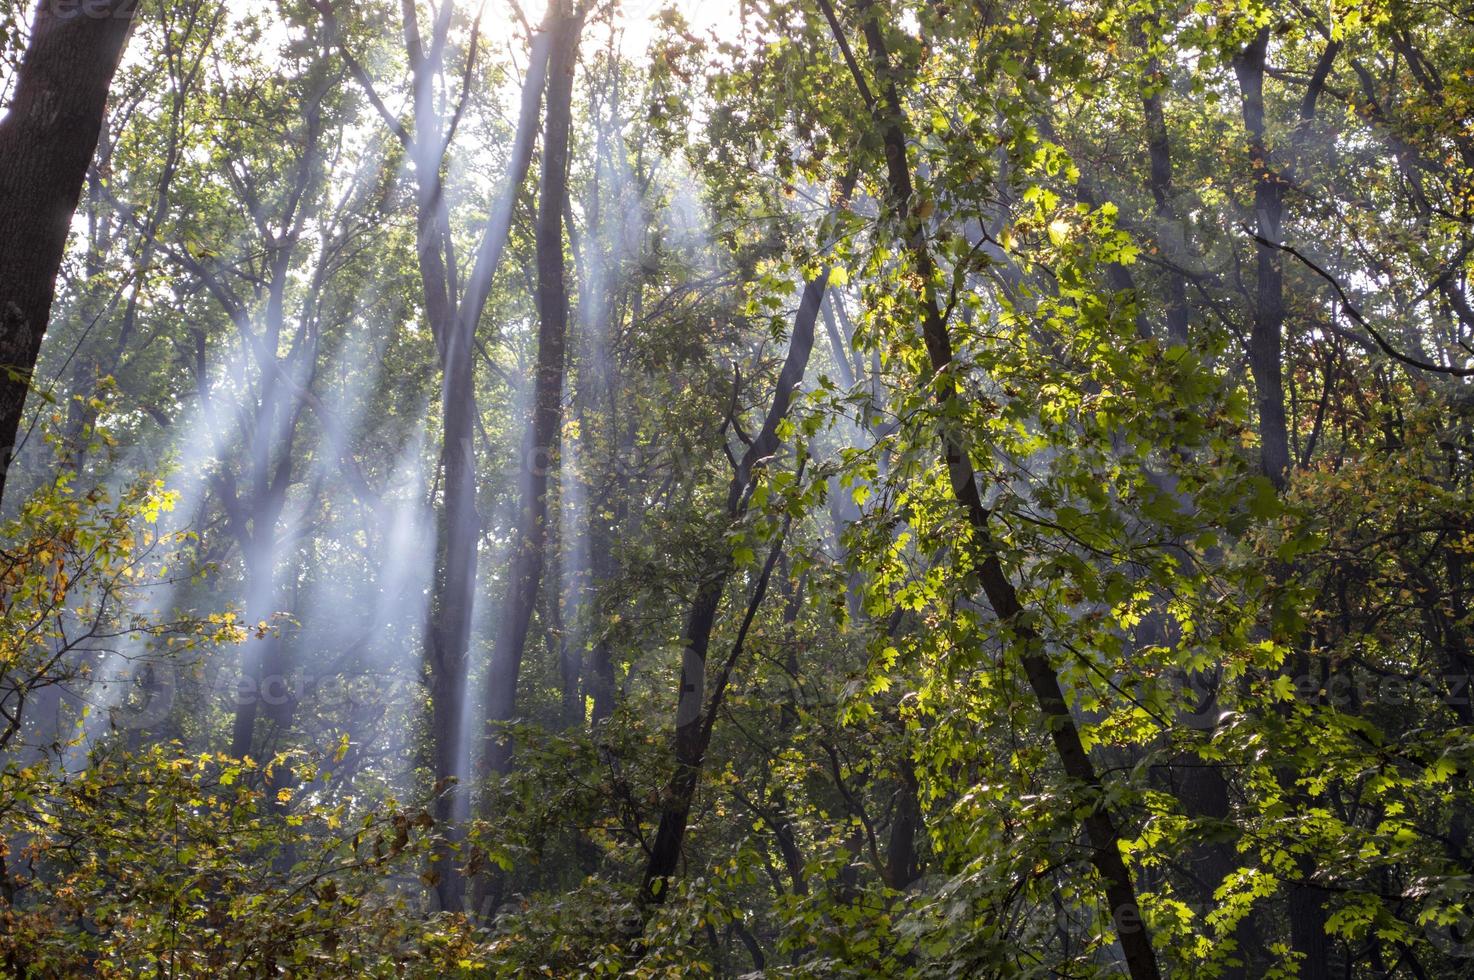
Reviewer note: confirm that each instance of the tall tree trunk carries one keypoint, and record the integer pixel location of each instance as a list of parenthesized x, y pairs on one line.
[(693, 731), (539, 450), (1171, 230), (1269, 301), (1202, 791), (693, 728), (46, 143), (902, 864), (266, 687), (453, 312), (1308, 913), (1098, 823), (448, 630)]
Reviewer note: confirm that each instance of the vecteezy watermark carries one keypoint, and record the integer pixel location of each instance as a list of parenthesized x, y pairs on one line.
[(91, 9), (145, 691), (1449, 918), (1346, 690), (1200, 706)]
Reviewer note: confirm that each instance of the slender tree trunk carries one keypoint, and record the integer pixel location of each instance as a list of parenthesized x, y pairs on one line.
[(94, 304), (46, 143), (693, 728), (693, 736), (1308, 913), (453, 313), (1099, 825), (458, 527), (1171, 231), (1269, 301), (264, 671), (540, 448), (902, 865)]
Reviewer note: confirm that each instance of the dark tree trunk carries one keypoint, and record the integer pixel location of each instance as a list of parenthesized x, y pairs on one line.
[(453, 313), (1202, 791), (1308, 913), (693, 736), (1171, 231), (902, 865), (448, 631), (693, 724), (266, 699), (1269, 301), (1098, 823), (540, 448), (690, 752), (46, 143), (1308, 937)]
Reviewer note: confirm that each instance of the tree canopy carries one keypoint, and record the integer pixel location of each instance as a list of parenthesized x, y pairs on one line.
[(790, 488)]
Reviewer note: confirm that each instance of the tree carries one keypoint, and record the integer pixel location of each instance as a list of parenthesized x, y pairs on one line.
[(1105, 839), (696, 713), (1094, 602), (454, 312), (47, 138), (539, 454)]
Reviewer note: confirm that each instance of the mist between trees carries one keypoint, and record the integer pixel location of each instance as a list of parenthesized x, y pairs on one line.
[(792, 488)]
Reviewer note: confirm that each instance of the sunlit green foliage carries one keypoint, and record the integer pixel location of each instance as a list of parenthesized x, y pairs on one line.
[(1270, 672)]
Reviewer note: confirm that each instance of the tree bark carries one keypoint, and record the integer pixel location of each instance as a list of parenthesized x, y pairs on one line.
[(1269, 301), (1159, 150), (693, 726), (453, 313), (46, 143), (1308, 913), (540, 446), (1098, 824)]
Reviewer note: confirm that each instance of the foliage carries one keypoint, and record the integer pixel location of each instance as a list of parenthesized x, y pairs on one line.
[(1155, 260)]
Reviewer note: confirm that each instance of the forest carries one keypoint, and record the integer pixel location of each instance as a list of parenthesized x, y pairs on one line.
[(737, 488)]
